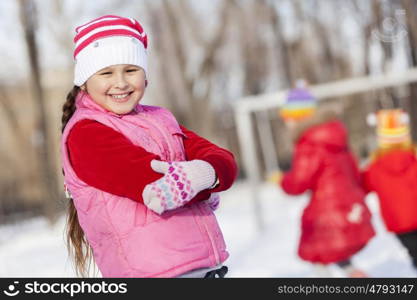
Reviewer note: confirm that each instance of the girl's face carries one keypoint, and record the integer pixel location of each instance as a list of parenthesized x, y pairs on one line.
[(117, 88)]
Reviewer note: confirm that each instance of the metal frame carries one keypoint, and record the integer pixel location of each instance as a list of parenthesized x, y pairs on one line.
[(244, 107)]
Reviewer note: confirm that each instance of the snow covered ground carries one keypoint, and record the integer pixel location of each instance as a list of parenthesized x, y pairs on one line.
[(34, 249)]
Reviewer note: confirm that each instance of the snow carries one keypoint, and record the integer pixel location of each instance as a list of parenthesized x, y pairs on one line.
[(33, 248)]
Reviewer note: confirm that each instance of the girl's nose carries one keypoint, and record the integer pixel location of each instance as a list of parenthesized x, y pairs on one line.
[(121, 82)]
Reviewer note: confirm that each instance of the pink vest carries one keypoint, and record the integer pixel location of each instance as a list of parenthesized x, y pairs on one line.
[(128, 240)]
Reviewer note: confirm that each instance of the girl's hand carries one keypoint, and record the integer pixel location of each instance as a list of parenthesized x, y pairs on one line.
[(181, 182), (275, 177)]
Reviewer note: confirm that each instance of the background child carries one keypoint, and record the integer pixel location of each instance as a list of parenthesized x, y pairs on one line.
[(143, 187), (392, 174), (336, 222)]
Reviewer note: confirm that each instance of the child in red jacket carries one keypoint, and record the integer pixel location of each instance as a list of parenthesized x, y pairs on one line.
[(336, 223), (392, 174)]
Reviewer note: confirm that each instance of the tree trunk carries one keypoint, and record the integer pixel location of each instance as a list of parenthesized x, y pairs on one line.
[(43, 145), (409, 6)]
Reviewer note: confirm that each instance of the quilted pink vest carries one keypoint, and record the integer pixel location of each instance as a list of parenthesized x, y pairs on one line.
[(128, 240)]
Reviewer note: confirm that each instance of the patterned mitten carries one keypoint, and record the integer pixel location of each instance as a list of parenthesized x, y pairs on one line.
[(181, 182), (214, 201)]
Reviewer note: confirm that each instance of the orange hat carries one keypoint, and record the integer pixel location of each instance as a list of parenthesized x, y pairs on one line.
[(392, 127)]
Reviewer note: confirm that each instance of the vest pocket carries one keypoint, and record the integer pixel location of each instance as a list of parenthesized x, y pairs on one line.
[(173, 236)]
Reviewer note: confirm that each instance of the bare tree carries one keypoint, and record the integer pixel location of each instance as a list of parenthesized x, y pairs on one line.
[(12, 119), (410, 8), (43, 143)]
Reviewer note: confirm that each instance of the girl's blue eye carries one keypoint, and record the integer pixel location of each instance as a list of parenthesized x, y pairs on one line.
[(105, 73), (132, 70)]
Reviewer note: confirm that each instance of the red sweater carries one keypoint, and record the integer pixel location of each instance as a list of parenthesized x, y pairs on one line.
[(107, 160), (393, 176)]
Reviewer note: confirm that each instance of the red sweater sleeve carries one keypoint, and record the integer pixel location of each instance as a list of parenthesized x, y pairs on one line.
[(221, 159), (107, 160)]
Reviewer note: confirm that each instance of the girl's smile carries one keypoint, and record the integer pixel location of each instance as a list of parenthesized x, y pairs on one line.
[(121, 98)]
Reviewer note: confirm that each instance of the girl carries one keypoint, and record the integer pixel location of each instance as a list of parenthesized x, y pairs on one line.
[(143, 187), (336, 222), (392, 174)]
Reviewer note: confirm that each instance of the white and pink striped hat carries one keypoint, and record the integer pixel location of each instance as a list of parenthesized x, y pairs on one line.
[(105, 41)]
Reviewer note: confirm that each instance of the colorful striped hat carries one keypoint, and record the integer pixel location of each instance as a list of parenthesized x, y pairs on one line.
[(299, 104), (392, 127), (105, 41)]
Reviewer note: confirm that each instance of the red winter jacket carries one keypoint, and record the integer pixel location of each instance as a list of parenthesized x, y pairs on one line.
[(95, 156), (336, 222), (393, 176)]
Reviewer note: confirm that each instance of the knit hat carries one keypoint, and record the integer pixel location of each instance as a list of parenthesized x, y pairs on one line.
[(299, 104), (392, 127), (105, 41)]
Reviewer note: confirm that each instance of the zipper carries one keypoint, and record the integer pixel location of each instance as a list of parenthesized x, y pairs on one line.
[(213, 244), (162, 133), (156, 125)]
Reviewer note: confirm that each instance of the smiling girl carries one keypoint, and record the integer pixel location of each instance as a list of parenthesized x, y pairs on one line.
[(142, 188)]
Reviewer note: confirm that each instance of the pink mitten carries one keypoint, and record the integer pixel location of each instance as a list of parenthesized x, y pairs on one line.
[(181, 182)]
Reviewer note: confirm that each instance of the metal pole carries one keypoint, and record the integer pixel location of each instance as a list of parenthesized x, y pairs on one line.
[(267, 141), (250, 161)]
